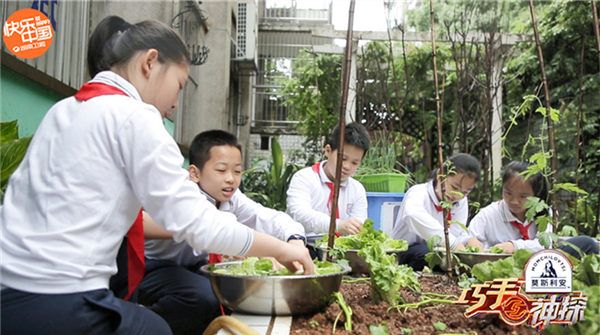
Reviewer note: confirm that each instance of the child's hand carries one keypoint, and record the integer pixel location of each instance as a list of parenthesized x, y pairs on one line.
[(351, 226), (276, 264), (296, 258), (474, 242), (508, 247), (459, 247)]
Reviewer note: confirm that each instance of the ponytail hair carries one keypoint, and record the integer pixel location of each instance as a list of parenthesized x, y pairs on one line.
[(115, 42)]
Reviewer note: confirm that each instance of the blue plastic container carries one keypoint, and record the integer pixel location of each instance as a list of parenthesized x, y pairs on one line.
[(383, 208)]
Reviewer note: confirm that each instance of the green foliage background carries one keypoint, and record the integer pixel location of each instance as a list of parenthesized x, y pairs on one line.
[(395, 94)]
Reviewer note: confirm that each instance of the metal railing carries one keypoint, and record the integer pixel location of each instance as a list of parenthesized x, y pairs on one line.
[(297, 14)]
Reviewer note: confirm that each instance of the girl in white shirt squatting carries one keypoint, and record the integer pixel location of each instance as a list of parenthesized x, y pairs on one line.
[(310, 193), (420, 215), (96, 158), (503, 223)]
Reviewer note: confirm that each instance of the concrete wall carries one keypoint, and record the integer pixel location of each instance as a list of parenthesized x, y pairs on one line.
[(24, 100), (209, 106), (214, 95), (243, 114), (133, 10)]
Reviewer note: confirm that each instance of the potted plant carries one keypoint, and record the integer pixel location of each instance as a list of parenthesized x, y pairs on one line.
[(377, 171)]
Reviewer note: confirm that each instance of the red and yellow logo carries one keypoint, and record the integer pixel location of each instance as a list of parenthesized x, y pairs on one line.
[(505, 298), (28, 33)]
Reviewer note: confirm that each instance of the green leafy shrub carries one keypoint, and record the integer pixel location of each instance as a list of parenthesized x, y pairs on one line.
[(268, 185), (12, 151)]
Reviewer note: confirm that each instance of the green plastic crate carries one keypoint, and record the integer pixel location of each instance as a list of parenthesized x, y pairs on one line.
[(383, 182)]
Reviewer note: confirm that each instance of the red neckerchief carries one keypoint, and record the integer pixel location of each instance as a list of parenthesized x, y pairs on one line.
[(439, 207), (136, 266), (214, 258), (523, 229), (317, 168)]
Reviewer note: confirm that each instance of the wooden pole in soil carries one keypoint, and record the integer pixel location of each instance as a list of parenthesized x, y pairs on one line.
[(596, 27), (438, 108), (342, 126), (550, 123), (597, 33)]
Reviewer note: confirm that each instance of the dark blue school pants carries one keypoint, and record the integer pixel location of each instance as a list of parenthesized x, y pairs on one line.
[(586, 245), (87, 313), (414, 256), (182, 296)]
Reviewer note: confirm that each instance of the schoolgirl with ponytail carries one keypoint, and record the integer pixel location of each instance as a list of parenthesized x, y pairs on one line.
[(95, 160)]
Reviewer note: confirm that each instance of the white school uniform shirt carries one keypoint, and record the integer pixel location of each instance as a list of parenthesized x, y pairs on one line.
[(89, 168), (418, 219), (492, 226), (247, 211), (308, 195)]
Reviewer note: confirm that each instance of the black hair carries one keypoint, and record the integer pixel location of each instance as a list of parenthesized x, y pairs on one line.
[(200, 148), (460, 163), (537, 181), (465, 164), (115, 41), (355, 134)]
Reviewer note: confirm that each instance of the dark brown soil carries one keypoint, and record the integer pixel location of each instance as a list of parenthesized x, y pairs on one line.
[(412, 321)]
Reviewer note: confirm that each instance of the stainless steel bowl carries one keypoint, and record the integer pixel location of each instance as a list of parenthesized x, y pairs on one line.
[(357, 263), (274, 295), (472, 258)]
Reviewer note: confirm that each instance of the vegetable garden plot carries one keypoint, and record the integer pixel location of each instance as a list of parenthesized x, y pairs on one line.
[(369, 318)]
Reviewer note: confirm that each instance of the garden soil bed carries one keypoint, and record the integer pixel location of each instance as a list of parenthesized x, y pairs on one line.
[(412, 321)]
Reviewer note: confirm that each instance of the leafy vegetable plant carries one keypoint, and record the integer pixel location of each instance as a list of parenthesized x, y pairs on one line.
[(254, 266), (474, 249), (387, 277), (510, 267), (347, 310), (471, 248), (368, 235), (436, 257), (496, 250)]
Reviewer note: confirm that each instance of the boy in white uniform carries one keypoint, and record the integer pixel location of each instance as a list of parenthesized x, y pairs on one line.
[(310, 193), (173, 286)]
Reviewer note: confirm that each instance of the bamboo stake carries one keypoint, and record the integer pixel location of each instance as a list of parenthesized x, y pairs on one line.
[(550, 123), (578, 126), (440, 175), (597, 33), (399, 100), (596, 29), (342, 126)]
